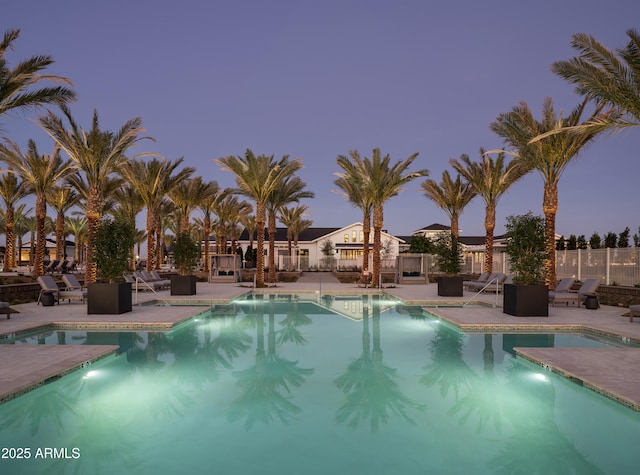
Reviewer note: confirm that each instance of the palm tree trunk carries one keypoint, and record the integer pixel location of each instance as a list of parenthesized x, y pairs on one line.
[(158, 257), (10, 251), (455, 230), (207, 232), (261, 217), (378, 222), (94, 215), (60, 240), (41, 214), (272, 246), (151, 239), (489, 226), (366, 234), (550, 208)]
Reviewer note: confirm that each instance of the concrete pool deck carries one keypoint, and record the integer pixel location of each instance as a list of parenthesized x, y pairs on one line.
[(613, 373)]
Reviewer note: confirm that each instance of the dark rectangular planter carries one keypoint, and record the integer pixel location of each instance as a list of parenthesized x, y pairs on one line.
[(526, 300), (183, 285), (108, 299), (450, 286)]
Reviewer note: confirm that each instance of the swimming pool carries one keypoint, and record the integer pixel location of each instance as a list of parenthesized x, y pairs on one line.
[(339, 385)]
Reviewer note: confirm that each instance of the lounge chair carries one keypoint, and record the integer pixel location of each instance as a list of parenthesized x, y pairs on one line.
[(634, 311), (146, 280), (158, 278), (494, 279), (72, 283), (52, 265), (49, 286), (6, 309), (587, 288), (63, 268), (482, 278), (564, 285)]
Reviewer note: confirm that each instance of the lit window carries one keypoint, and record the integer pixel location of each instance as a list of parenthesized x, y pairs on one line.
[(353, 236), (361, 236), (346, 238)]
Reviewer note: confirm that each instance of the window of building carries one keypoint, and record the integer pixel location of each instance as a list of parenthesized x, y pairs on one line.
[(353, 236), (346, 238)]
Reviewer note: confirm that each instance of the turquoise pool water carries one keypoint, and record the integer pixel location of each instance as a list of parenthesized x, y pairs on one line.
[(343, 385)]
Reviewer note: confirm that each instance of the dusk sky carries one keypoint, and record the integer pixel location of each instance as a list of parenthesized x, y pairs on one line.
[(315, 79)]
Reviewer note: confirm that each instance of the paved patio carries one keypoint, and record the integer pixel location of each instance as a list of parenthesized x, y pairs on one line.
[(613, 373)]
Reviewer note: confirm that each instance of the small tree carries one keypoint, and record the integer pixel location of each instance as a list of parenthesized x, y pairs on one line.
[(420, 244), (610, 240), (581, 242), (448, 254), (572, 243), (623, 237), (328, 251), (595, 241), (185, 253), (560, 244), (114, 240), (525, 247)]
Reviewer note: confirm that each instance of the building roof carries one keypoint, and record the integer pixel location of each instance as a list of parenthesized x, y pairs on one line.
[(434, 227)]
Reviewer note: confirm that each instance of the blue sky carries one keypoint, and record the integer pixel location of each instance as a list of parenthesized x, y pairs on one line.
[(315, 79)]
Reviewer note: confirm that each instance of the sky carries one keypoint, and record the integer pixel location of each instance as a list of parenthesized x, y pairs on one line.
[(316, 79)]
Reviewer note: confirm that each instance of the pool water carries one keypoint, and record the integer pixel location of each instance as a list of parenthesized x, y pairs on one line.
[(283, 385)]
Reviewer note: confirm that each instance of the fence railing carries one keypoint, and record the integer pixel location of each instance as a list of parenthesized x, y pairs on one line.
[(620, 266)]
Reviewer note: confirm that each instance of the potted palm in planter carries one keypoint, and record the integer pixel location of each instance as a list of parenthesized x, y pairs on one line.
[(185, 255), (525, 246), (448, 258), (114, 241)]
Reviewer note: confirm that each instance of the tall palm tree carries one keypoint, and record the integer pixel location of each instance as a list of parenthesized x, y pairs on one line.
[(291, 218), (291, 189), (22, 223), (62, 199), (153, 179), (606, 76), (257, 178), (77, 226), (490, 180), (17, 85), (351, 188), (42, 173), (549, 156), (206, 205), (382, 181), (129, 205), (186, 196), (229, 211), (97, 154), (12, 190), (452, 196)]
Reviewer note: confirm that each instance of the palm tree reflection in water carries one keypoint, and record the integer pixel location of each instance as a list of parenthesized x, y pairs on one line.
[(369, 386), (266, 386)]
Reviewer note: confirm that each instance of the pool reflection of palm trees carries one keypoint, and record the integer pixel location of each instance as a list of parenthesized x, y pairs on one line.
[(537, 444), (263, 384), (369, 386)]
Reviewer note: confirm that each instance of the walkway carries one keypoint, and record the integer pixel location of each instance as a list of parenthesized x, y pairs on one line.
[(613, 372)]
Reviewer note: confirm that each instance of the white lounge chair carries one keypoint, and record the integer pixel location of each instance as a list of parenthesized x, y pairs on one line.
[(72, 283)]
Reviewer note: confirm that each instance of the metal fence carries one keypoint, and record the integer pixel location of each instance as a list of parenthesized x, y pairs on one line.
[(619, 266)]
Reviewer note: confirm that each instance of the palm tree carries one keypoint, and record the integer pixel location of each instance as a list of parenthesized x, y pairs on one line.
[(129, 205), (97, 154), (549, 156), (42, 173), (290, 190), (186, 196), (229, 211), (350, 187), (206, 205), (153, 179), (62, 199), (381, 181), (16, 85), (606, 76), (77, 226), (257, 178), (12, 190), (490, 180), (291, 218), (452, 196), (22, 223)]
